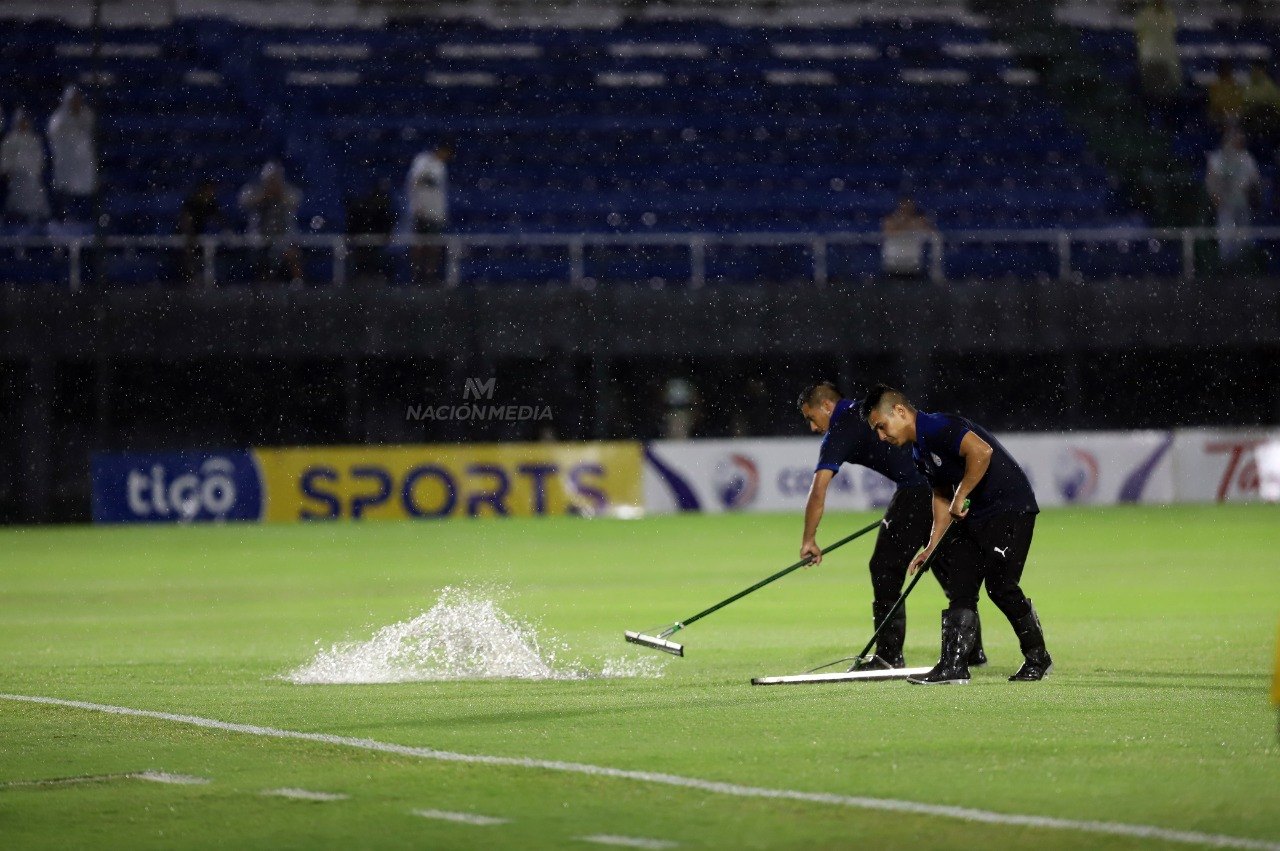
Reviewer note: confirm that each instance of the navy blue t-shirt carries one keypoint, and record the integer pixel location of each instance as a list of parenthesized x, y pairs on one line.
[(1003, 490), (849, 440)]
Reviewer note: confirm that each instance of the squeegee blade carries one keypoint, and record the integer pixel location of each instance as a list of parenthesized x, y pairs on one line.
[(850, 677), (655, 642)]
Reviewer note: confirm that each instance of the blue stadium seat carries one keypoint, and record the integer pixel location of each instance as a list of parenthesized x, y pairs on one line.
[(687, 125)]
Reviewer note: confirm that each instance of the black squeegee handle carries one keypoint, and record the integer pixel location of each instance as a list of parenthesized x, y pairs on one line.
[(804, 562), (902, 598)]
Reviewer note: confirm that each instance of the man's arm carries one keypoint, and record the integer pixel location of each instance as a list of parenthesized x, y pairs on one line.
[(813, 515), (941, 520), (976, 453)]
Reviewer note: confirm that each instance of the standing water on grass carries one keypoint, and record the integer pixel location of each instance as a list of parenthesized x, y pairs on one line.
[(464, 636)]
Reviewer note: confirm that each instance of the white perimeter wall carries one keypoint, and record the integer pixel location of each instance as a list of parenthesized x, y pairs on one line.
[(1081, 468)]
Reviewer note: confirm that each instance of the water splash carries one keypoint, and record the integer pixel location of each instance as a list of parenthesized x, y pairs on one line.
[(464, 636)]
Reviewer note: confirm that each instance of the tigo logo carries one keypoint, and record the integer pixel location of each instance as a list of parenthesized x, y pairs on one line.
[(212, 490), (176, 487)]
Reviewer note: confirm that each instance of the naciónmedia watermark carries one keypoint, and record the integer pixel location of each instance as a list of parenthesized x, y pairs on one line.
[(481, 410)]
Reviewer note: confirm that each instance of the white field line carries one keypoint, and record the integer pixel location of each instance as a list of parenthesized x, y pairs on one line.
[(461, 818), (304, 795), (629, 841), (1109, 828)]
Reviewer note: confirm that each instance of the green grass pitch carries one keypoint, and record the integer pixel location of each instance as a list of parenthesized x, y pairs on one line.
[(1162, 622)]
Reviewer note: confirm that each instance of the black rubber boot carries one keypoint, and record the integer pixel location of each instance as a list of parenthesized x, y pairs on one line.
[(891, 638), (1038, 663), (977, 657), (889, 642), (959, 629)]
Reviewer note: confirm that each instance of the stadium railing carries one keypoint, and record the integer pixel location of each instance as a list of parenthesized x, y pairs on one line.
[(1064, 254)]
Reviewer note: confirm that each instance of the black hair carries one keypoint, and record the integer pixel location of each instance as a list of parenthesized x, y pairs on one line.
[(879, 394), (817, 392)]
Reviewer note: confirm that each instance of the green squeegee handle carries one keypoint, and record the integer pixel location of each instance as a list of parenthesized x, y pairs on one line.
[(763, 582)]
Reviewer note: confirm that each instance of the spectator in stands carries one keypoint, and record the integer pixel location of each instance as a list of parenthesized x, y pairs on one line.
[(75, 160), (22, 162), (200, 213), (1234, 186), (427, 189), (271, 203), (681, 416), (1226, 98), (371, 216), (1260, 113), (1157, 32), (905, 233)]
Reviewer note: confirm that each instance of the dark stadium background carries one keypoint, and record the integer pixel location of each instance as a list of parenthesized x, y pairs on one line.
[(134, 358)]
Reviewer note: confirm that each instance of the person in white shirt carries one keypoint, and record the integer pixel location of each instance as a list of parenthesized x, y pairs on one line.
[(271, 203), (1234, 186), (22, 162), (905, 231), (1156, 28), (427, 191), (75, 159)]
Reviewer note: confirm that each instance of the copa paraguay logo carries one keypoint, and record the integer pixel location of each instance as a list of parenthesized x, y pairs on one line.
[(176, 487), (1075, 473), (736, 481)]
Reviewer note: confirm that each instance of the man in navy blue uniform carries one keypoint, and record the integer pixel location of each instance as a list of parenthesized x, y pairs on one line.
[(905, 528), (975, 480)]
